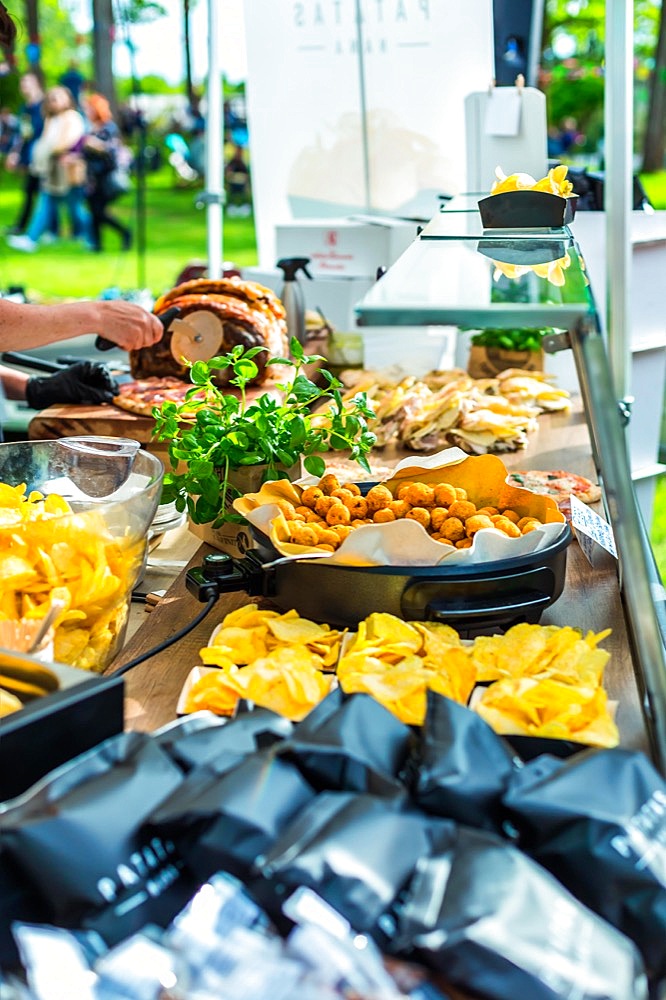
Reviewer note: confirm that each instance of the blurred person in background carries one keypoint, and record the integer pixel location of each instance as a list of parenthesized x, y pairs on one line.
[(74, 80), (237, 181), (101, 148), (58, 163), (8, 130), (19, 159)]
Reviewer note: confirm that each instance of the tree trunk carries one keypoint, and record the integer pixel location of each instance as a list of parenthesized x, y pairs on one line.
[(103, 37), (655, 133), (189, 88), (33, 48)]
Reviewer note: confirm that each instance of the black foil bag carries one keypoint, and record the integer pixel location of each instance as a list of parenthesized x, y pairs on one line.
[(204, 738), (350, 743), (221, 822), (356, 851), (496, 923), (598, 822), (76, 836), (460, 768)]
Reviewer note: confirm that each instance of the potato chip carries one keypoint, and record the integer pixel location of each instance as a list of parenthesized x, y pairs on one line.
[(213, 693), (288, 682), (541, 651), (44, 554), (549, 709)]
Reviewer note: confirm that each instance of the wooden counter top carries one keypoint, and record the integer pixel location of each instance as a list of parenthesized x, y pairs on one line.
[(590, 601)]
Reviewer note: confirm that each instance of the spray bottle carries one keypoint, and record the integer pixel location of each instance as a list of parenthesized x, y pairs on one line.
[(292, 295)]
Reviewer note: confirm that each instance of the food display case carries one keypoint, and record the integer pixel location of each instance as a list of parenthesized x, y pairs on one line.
[(453, 274)]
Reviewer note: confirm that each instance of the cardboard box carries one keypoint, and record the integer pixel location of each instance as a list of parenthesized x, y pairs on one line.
[(487, 362), (234, 539), (350, 247)]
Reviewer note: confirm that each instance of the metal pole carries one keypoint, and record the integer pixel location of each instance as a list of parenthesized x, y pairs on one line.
[(364, 111), (639, 580), (618, 200), (214, 196)]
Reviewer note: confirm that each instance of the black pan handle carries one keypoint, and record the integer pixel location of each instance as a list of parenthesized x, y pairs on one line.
[(166, 319), (469, 609)]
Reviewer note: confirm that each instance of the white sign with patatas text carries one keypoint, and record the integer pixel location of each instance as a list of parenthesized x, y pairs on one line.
[(312, 72)]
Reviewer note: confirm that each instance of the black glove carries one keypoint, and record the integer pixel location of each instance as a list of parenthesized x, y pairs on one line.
[(84, 382)]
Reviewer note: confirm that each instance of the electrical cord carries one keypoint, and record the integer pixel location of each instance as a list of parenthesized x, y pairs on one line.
[(210, 604)]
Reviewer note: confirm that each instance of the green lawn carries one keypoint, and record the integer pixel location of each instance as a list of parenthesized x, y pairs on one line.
[(175, 236)]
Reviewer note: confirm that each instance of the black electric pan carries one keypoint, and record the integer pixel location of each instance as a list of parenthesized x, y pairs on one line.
[(472, 599)]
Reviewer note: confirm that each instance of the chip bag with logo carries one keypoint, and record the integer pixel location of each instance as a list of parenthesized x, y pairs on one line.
[(78, 837)]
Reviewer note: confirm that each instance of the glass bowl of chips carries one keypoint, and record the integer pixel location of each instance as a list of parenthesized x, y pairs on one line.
[(74, 520)]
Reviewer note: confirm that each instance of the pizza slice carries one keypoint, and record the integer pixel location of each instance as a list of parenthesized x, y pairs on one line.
[(558, 484), (142, 395)]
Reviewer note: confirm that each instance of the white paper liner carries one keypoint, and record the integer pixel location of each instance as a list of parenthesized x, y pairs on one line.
[(405, 542)]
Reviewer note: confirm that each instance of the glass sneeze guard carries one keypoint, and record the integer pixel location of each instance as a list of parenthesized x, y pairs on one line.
[(460, 282), (496, 282)]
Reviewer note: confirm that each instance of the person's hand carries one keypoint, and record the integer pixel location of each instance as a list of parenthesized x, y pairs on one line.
[(83, 382), (128, 325)]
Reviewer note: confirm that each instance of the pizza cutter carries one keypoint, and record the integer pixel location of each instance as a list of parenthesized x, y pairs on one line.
[(166, 319), (198, 337)]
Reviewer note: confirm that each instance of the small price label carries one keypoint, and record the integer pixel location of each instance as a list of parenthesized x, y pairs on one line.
[(591, 529)]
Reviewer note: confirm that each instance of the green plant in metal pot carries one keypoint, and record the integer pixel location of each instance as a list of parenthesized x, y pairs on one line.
[(214, 434)]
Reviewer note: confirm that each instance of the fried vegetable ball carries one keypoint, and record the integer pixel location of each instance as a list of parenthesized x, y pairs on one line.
[(341, 530), (462, 509), (310, 495), (464, 543), (490, 511), (419, 495), (476, 523), (378, 497), (357, 506), (328, 483), (302, 534), (383, 516), (326, 536), (399, 493), (399, 508), (511, 515), (445, 494), (419, 514), (530, 526), (338, 514), (461, 494), (352, 487), (438, 516), (324, 504), (453, 529), (343, 494), (507, 526)]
